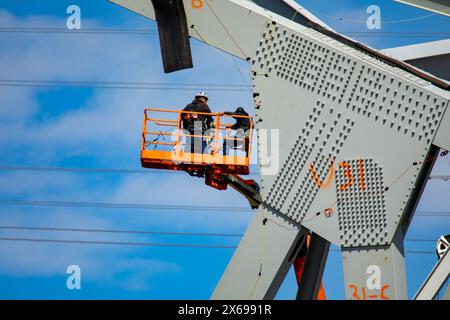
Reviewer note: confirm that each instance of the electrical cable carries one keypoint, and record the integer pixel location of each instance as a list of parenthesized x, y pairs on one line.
[(90, 230), (154, 32), (215, 209), (122, 85), (153, 244)]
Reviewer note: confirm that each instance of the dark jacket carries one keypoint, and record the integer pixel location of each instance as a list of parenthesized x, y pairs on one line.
[(241, 123), (189, 120)]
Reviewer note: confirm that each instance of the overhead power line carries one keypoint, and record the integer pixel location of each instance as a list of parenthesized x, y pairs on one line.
[(92, 170), (123, 206), (420, 252), (84, 230), (211, 209), (433, 213), (141, 244), (151, 244), (124, 85), (132, 83), (79, 31), (151, 32), (84, 170), (421, 240), (444, 178), (124, 171), (141, 232), (364, 21), (97, 170), (378, 35)]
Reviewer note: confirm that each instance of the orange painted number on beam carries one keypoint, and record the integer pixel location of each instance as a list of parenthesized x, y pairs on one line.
[(197, 4), (348, 174), (361, 175), (355, 294), (319, 183), (383, 295)]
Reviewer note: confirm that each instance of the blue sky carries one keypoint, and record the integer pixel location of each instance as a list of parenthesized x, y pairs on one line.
[(100, 128)]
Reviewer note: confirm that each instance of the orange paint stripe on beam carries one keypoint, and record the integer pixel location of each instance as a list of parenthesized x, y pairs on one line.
[(314, 175), (361, 175)]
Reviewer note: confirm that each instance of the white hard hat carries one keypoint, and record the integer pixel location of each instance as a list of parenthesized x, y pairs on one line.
[(202, 94)]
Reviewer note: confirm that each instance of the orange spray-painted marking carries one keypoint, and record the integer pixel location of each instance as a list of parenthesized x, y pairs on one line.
[(382, 295), (355, 292), (321, 184), (348, 174), (361, 175), (356, 296)]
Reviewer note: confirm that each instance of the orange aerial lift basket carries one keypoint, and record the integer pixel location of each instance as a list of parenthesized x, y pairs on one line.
[(166, 145)]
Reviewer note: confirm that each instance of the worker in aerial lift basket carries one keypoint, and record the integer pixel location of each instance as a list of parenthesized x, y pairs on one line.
[(242, 127), (197, 124)]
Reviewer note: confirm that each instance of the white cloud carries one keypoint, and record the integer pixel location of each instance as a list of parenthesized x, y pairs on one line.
[(110, 120), (26, 183), (140, 272), (181, 189), (99, 263), (115, 267), (106, 126)]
